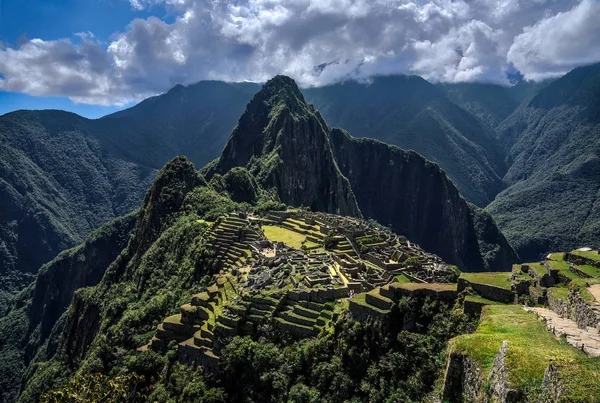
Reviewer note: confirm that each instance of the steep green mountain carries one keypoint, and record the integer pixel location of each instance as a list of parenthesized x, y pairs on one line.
[(286, 145), (490, 102), (194, 120), (172, 256), (58, 182), (414, 114), (552, 200), (62, 176), (30, 330)]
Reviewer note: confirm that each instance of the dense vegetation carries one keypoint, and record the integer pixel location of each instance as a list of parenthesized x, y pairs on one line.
[(92, 350), (35, 317), (414, 114), (552, 201)]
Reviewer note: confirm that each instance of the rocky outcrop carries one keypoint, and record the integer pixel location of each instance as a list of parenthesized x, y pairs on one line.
[(499, 384), (552, 387), (464, 382)]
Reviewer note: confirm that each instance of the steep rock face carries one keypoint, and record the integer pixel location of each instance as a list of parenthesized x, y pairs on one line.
[(402, 189), (33, 325), (75, 268), (552, 202), (411, 113), (284, 143)]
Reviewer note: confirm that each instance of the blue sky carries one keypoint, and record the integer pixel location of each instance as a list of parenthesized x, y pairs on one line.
[(93, 57), (51, 20)]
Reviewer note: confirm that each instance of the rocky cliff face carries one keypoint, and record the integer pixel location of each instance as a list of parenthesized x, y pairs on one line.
[(33, 325), (82, 266), (284, 143), (402, 189)]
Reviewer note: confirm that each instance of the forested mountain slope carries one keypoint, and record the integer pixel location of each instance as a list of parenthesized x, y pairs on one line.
[(58, 183), (492, 103), (414, 114), (62, 176), (553, 200)]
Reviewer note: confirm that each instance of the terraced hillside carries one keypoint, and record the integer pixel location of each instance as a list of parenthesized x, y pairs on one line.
[(303, 272), (213, 300), (296, 271)]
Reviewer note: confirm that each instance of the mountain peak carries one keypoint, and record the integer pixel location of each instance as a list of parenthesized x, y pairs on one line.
[(282, 93)]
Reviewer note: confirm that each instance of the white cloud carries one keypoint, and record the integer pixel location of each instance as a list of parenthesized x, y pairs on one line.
[(558, 43), (314, 41)]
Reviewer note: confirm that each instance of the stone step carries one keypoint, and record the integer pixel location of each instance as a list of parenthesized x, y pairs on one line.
[(174, 324), (206, 333), (164, 334), (260, 312), (200, 299), (315, 306), (210, 360), (222, 330), (378, 300), (228, 321), (387, 292), (301, 320), (308, 313), (295, 328), (191, 313)]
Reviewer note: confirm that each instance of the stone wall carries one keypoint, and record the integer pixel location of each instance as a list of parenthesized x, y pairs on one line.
[(576, 309), (488, 291), (580, 260), (463, 381), (583, 313)]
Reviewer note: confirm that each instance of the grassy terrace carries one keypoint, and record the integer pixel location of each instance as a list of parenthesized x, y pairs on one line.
[(428, 286), (589, 270), (401, 278), (563, 268), (498, 279), (531, 347), (279, 234), (593, 254), (560, 291), (476, 298)]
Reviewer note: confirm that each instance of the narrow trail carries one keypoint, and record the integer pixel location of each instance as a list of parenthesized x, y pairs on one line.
[(595, 291), (587, 339)]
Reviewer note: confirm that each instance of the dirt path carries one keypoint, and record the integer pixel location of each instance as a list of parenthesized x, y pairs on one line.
[(587, 339), (595, 290)]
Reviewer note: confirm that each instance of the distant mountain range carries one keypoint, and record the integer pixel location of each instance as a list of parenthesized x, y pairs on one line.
[(527, 149)]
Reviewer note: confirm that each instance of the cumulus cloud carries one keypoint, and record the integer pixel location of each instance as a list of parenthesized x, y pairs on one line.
[(558, 43), (314, 41)]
